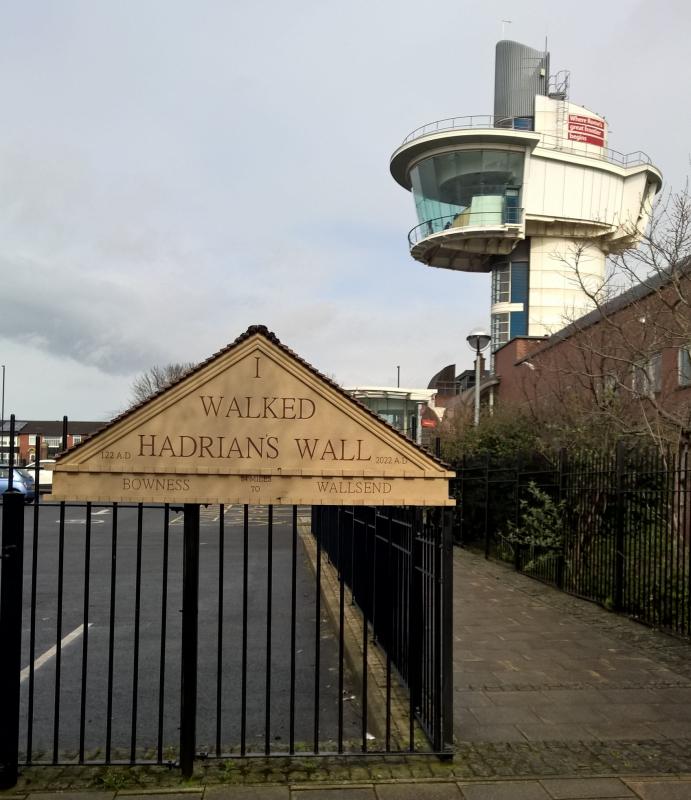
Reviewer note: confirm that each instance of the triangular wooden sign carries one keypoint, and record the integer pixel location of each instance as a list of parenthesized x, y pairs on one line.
[(253, 424)]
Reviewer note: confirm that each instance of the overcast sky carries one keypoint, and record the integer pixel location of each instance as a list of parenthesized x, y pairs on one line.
[(172, 171)]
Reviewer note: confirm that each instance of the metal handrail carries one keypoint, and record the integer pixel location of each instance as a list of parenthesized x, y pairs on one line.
[(479, 219), (549, 141), (638, 157), (455, 123)]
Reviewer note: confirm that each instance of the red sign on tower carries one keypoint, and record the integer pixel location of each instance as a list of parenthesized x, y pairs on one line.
[(588, 130)]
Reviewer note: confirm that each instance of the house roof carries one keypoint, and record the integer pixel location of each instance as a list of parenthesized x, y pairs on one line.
[(647, 286), (18, 425), (54, 427)]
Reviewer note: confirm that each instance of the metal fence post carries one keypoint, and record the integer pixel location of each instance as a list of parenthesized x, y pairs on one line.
[(415, 622), (188, 665), (487, 506), (460, 512), (618, 589), (563, 491), (447, 632), (11, 632)]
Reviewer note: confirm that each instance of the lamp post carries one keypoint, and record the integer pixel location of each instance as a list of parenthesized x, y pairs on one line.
[(2, 424), (478, 341)]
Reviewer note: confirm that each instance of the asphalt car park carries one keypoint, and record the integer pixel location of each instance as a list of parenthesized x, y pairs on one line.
[(114, 607)]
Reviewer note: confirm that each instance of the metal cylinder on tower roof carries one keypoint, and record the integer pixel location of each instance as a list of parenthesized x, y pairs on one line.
[(520, 72)]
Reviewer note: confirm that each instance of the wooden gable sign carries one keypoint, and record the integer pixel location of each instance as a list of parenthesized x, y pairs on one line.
[(253, 424)]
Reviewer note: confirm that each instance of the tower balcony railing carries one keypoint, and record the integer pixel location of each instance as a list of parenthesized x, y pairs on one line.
[(635, 159), (463, 123), (465, 221), (549, 141)]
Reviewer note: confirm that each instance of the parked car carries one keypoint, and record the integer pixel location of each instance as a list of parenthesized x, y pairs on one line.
[(22, 481), (45, 473)]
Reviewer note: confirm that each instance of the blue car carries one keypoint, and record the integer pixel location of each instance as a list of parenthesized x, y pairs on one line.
[(22, 481)]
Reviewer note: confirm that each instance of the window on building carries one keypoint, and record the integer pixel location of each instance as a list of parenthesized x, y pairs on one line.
[(655, 371), (685, 365), (468, 187), (76, 439), (647, 376), (501, 284), (609, 386), (500, 330)]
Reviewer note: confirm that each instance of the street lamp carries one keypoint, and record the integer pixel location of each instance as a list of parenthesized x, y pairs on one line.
[(478, 341), (2, 424)]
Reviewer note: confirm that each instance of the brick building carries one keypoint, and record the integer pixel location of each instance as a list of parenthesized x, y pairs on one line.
[(50, 432), (628, 361)]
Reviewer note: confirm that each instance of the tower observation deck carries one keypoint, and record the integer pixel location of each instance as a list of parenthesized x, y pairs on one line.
[(518, 193)]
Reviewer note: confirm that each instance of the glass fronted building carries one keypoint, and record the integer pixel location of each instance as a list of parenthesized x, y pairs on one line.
[(401, 408)]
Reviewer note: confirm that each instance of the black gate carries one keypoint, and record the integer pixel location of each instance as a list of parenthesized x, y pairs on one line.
[(161, 634)]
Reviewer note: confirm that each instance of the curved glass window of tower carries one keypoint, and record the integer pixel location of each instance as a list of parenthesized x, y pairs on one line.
[(467, 188)]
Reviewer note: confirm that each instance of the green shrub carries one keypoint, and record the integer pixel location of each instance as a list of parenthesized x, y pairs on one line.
[(541, 521)]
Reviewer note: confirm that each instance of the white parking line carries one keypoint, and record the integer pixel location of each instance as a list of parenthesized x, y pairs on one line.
[(50, 653)]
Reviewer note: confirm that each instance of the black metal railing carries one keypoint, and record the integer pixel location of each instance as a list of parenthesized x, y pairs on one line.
[(398, 570), (464, 221), (164, 633), (613, 528)]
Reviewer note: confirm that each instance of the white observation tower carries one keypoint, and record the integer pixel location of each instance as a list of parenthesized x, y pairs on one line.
[(512, 194)]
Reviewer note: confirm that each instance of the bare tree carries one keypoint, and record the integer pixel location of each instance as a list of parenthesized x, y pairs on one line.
[(617, 370), (157, 378)]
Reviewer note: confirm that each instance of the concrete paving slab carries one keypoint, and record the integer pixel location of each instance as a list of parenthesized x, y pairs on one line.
[(108, 795), (565, 732), (586, 788), (661, 790), (162, 795), (672, 729), (247, 793), (679, 712), (334, 794), (470, 732), (464, 698), (510, 790), (510, 715), (554, 714), (526, 697), (418, 791), (627, 731), (623, 714)]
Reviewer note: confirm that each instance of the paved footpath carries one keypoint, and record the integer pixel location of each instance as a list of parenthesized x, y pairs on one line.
[(556, 684), (555, 699), (547, 789)]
